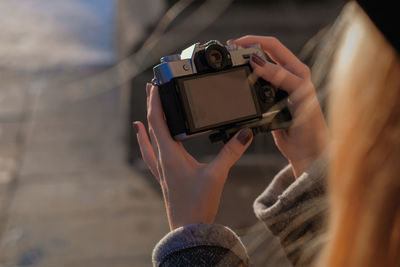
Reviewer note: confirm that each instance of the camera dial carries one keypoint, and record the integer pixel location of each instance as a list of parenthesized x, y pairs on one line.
[(267, 93)]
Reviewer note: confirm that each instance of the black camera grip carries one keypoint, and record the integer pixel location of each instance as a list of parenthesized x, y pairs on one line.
[(172, 108)]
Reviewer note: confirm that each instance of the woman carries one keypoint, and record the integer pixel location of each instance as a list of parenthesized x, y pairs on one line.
[(365, 130)]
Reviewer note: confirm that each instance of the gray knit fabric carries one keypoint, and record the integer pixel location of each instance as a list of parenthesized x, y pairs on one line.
[(182, 242), (292, 209), (200, 256)]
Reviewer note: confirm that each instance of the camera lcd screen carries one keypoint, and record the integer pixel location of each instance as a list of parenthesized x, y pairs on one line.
[(216, 99)]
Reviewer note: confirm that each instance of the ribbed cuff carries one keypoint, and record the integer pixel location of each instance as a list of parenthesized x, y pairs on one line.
[(201, 234), (285, 189)]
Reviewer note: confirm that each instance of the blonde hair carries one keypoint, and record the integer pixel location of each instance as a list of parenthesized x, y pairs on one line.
[(364, 183)]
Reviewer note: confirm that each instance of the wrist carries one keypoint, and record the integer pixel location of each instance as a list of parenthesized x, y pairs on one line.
[(299, 167), (188, 215)]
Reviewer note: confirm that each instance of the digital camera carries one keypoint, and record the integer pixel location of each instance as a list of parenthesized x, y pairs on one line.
[(211, 88)]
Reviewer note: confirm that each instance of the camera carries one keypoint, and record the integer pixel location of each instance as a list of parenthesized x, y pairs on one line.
[(211, 89)]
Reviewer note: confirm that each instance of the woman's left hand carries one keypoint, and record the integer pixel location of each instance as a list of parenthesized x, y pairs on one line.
[(191, 190)]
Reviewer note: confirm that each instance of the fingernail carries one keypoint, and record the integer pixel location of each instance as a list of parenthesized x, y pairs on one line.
[(230, 41), (258, 60), (136, 127), (245, 136)]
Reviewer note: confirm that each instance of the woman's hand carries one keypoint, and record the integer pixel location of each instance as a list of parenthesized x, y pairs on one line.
[(191, 190), (308, 135)]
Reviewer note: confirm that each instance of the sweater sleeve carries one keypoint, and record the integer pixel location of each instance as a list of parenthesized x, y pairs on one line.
[(200, 245), (294, 211)]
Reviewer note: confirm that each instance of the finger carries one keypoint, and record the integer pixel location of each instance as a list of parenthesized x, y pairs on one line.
[(232, 151), (280, 137), (148, 87), (278, 52), (154, 142), (156, 119), (146, 148), (151, 132), (230, 41), (275, 74)]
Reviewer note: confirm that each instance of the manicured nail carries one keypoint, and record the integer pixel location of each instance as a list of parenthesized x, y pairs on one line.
[(245, 136), (230, 41), (258, 60), (136, 127)]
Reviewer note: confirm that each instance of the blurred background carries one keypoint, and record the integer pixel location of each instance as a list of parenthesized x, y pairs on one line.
[(73, 188)]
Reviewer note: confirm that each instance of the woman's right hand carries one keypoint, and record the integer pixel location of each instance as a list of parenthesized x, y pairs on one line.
[(308, 135)]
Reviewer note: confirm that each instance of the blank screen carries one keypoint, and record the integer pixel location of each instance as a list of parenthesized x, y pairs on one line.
[(215, 99)]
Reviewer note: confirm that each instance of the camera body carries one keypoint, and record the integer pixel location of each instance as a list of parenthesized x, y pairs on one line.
[(212, 89)]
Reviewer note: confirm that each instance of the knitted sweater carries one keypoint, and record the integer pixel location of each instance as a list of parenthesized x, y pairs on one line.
[(292, 209)]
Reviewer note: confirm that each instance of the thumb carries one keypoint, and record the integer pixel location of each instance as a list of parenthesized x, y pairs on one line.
[(233, 150)]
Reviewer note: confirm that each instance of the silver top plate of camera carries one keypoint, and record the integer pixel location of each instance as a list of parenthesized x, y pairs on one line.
[(182, 64)]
